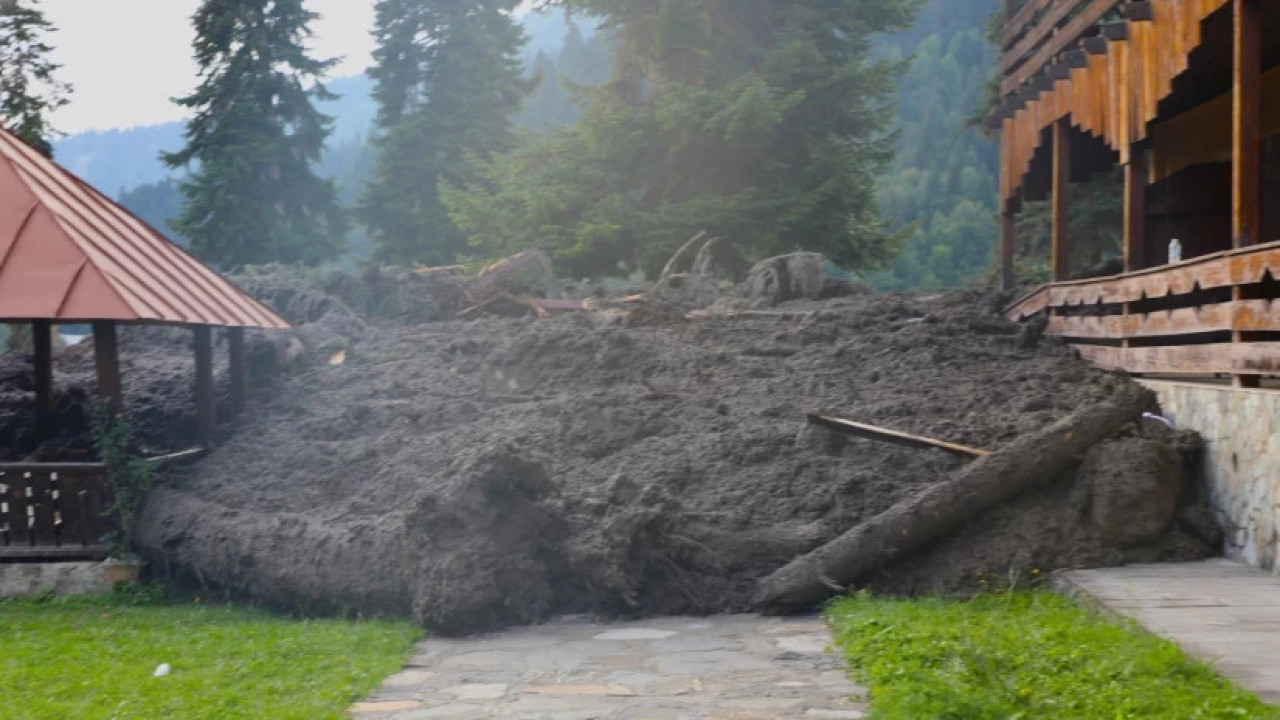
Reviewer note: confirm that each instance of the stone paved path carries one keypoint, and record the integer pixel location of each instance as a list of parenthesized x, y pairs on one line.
[(1224, 613), (722, 668)]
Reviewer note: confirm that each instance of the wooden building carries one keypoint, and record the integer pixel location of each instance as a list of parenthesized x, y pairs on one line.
[(68, 254), (1184, 97)]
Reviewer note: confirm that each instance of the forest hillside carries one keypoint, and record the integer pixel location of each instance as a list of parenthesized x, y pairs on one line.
[(941, 185)]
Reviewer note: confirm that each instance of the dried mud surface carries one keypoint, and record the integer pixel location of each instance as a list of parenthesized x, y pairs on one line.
[(502, 470)]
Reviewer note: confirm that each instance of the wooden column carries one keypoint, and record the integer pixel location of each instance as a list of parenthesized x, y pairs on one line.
[(206, 409), (1061, 257), (1246, 145), (239, 369), (1008, 248), (1135, 211), (106, 354), (42, 339), (1246, 122)]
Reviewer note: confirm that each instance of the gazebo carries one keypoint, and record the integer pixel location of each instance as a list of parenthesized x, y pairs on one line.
[(70, 255)]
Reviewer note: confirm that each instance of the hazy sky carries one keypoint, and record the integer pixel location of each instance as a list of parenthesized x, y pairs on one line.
[(127, 58)]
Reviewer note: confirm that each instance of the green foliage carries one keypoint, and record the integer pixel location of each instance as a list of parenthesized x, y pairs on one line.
[(253, 196), (129, 477), (1029, 655), (92, 659), (1095, 224), (943, 181), (28, 89), (448, 78), (584, 61), (157, 204), (765, 122)]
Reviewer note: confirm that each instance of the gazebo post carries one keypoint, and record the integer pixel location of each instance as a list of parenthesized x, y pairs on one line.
[(239, 369), (206, 410), (42, 338), (106, 354)]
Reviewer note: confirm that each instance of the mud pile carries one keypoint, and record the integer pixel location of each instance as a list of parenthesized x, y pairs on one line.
[(498, 470)]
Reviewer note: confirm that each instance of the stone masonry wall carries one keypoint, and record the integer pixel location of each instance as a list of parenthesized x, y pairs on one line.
[(1242, 461)]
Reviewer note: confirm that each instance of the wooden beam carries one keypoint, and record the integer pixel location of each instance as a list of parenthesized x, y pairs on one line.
[(1115, 32), (1248, 359), (1019, 21), (106, 357), (871, 432), (1246, 316), (206, 410), (42, 338), (239, 369), (69, 468), (1246, 187), (1075, 59), (1055, 43), (1096, 45), (1061, 250), (1135, 211), (1008, 249), (1138, 11)]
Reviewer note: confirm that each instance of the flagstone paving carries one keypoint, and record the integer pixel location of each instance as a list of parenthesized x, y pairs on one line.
[(1222, 612), (721, 668)]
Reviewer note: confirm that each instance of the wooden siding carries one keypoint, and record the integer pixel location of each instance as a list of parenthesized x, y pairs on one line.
[(1115, 95)]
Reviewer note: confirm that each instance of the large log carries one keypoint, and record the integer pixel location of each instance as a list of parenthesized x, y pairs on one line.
[(986, 483)]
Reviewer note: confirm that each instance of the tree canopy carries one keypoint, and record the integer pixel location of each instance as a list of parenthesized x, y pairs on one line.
[(253, 196), (29, 88), (448, 80), (763, 121)]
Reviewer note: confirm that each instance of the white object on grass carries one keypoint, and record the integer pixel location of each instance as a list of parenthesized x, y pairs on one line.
[(162, 670)]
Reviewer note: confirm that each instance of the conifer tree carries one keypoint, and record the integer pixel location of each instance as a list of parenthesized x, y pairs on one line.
[(764, 121), (253, 196), (448, 79), (29, 90)]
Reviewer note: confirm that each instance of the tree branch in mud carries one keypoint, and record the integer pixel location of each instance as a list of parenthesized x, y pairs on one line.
[(988, 482)]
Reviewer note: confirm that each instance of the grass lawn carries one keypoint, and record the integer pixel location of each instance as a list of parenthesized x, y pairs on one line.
[(1028, 655), (94, 658)]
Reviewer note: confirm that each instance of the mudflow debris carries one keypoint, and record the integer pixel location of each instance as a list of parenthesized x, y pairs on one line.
[(648, 454)]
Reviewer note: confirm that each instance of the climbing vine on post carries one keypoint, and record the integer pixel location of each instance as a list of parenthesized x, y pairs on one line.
[(129, 477)]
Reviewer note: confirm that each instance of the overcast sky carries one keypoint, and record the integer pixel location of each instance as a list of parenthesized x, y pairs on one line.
[(127, 58)]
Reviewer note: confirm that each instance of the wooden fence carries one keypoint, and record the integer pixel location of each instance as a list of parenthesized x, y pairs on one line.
[(52, 511), (1215, 314)]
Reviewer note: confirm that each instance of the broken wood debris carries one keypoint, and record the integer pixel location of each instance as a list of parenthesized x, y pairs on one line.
[(1037, 457), (872, 432)]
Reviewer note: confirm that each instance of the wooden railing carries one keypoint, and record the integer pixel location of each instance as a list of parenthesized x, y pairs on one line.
[(52, 510), (1213, 315)]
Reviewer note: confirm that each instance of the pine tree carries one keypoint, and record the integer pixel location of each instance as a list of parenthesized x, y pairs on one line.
[(253, 195), (448, 80), (764, 121), (28, 89)]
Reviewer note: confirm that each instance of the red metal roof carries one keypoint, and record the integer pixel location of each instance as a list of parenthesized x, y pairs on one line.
[(70, 254)]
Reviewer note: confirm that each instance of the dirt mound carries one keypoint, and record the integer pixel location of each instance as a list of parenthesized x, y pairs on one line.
[(499, 470)]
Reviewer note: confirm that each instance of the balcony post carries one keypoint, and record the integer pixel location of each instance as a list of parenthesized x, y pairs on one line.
[(1061, 253), (1246, 146)]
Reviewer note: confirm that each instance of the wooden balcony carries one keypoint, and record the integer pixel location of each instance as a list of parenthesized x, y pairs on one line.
[(1213, 315)]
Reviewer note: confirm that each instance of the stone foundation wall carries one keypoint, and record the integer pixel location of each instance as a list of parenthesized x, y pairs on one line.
[(1242, 461), (59, 579)]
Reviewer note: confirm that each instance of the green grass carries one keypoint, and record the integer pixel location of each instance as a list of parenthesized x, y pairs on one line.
[(94, 658), (1023, 655)]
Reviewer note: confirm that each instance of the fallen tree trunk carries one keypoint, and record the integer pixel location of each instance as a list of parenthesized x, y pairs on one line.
[(989, 481)]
